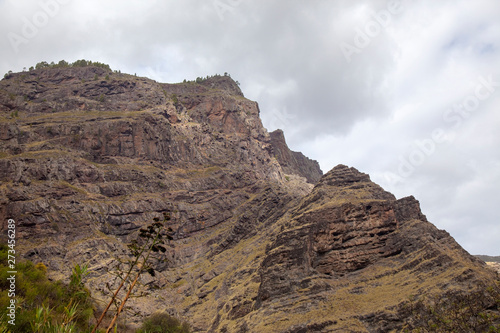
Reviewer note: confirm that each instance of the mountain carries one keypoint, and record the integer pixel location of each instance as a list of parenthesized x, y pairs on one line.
[(293, 162), (263, 241), (492, 261), (489, 258)]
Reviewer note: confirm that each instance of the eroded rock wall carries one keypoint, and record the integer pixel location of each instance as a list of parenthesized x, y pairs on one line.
[(87, 157)]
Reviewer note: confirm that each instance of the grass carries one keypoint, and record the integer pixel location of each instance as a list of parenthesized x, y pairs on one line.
[(178, 284), (379, 287), (78, 116), (73, 187), (41, 154), (202, 173), (34, 290)]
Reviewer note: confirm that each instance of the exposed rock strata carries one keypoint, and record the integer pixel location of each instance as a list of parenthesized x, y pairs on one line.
[(294, 162), (341, 262), (89, 156)]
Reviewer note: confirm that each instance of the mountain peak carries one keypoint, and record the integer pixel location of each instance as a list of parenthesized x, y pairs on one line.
[(223, 83), (294, 162), (342, 175), (347, 184), (88, 157)]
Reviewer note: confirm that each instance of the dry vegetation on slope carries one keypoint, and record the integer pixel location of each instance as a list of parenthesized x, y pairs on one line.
[(89, 156)]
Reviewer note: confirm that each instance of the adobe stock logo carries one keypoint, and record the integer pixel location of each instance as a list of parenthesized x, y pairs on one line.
[(31, 26), (363, 37), (455, 116)]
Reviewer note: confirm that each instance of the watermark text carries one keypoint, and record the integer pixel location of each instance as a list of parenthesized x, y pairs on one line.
[(32, 25), (454, 116), (11, 278), (363, 37)]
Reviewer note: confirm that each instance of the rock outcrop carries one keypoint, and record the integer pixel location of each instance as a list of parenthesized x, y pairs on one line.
[(350, 255), (89, 156), (294, 162)]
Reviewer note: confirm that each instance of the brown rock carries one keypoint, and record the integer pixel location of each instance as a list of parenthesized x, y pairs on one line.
[(294, 162), (92, 156)]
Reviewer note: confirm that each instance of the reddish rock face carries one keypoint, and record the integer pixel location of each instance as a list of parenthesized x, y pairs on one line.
[(87, 157), (294, 162), (349, 236)]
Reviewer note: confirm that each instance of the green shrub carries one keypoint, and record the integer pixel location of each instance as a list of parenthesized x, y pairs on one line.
[(7, 75), (164, 323), (51, 305), (64, 64), (174, 99)]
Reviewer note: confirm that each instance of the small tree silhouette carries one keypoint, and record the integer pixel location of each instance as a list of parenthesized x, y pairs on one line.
[(150, 241)]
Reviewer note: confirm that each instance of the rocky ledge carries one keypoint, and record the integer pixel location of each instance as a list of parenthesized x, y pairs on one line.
[(89, 156), (294, 162)]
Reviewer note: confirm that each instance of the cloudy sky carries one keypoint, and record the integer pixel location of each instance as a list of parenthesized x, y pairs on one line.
[(407, 91)]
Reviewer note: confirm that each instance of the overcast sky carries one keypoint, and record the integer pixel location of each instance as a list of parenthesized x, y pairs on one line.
[(407, 91)]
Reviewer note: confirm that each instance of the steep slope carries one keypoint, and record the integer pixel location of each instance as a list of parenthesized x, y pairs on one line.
[(294, 162), (351, 255), (126, 153), (89, 156)]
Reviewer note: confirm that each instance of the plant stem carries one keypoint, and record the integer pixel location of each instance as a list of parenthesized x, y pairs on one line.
[(123, 303)]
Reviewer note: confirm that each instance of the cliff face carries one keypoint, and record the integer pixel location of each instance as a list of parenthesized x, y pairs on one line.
[(350, 255), (89, 156), (294, 162), (104, 141)]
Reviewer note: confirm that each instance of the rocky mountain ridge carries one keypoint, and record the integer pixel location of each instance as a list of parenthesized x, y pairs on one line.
[(89, 156), (486, 258), (294, 162)]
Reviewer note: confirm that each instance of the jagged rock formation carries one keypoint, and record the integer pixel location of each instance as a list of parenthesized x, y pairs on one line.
[(351, 254), (88, 156), (294, 162), (142, 138)]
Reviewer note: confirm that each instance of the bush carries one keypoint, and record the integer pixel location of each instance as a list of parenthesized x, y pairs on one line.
[(65, 64), (164, 323), (41, 300), (174, 99), (7, 75)]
